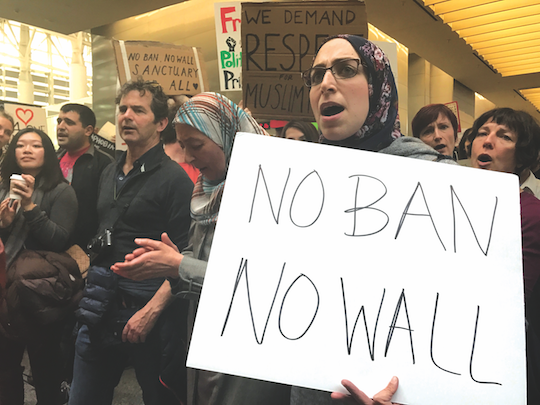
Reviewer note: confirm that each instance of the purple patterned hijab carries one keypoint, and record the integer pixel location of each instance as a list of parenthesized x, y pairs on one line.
[(381, 127)]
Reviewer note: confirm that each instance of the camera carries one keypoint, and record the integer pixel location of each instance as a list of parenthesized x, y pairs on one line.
[(100, 245)]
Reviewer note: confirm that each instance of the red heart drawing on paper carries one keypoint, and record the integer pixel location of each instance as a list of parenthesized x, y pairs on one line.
[(24, 115)]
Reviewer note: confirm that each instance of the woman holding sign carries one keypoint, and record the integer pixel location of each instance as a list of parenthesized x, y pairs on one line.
[(354, 99), (206, 126)]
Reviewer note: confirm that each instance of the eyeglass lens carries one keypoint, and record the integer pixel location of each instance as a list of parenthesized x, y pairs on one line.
[(342, 70)]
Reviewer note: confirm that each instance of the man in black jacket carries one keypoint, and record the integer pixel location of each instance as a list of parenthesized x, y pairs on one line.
[(82, 164), (141, 196)]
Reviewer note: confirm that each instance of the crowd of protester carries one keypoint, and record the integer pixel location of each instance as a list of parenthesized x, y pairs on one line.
[(147, 221)]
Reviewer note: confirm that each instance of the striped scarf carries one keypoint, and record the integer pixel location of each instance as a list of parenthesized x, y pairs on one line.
[(219, 119)]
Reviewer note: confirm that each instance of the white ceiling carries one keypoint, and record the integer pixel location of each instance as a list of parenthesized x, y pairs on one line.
[(405, 20), (416, 28)]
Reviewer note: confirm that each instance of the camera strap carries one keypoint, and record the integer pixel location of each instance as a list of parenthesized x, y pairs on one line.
[(95, 256)]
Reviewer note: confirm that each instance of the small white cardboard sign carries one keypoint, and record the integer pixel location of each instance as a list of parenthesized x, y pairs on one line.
[(26, 116), (332, 263), (229, 48)]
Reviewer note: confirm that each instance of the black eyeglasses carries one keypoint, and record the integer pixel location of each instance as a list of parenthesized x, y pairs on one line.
[(344, 69)]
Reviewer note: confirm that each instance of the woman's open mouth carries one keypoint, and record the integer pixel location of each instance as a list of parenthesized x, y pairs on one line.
[(439, 147), (329, 110), (484, 158), (483, 161)]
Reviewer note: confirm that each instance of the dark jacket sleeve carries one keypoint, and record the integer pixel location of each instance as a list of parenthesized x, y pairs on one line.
[(530, 233), (178, 208), (52, 224)]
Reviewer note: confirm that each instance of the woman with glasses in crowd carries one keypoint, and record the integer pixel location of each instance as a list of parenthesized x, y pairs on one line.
[(354, 99)]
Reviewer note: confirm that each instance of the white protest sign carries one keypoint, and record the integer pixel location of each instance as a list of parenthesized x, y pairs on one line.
[(229, 48), (332, 263), (26, 116)]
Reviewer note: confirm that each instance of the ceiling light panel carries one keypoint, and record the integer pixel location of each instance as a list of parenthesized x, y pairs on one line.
[(515, 15), (449, 6), (511, 35), (532, 95), (534, 44), (505, 33), (485, 9)]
